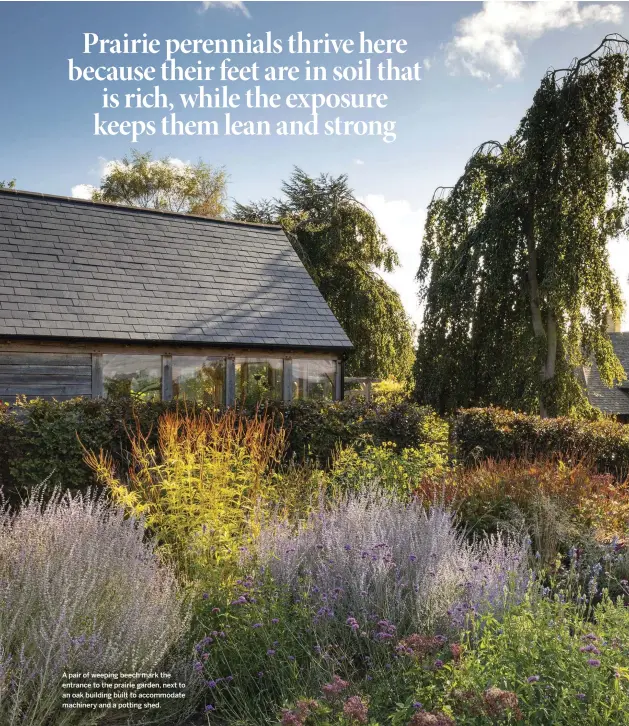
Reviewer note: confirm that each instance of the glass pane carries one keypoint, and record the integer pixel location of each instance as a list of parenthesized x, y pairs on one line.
[(258, 379), (314, 378), (200, 379), (139, 376)]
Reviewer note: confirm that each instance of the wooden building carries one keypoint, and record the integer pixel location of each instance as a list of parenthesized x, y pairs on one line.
[(98, 299)]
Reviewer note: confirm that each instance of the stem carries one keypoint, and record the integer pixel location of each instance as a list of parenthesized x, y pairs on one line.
[(548, 368), (551, 353)]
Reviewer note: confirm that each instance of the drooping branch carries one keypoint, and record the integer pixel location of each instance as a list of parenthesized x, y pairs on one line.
[(514, 256)]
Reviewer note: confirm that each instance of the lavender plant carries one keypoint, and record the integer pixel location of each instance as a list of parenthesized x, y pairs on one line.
[(80, 590), (371, 555)]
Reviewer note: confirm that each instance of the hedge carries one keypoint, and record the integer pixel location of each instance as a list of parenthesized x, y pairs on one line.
[(42, 440), (481, 433)]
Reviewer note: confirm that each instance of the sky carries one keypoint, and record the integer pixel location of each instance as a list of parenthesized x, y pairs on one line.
[(480, 66)]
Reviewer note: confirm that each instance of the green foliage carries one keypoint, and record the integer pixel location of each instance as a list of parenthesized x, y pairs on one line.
[(343, 249), (317, 428), (579, 669), (140, 181), (262, 651), (38, 442), (7, 184), (42, 440), (515, 273), (389, 390), (395, 472), (498, 434)]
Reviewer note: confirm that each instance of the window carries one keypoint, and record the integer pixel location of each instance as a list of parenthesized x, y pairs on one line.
[(138, 376), (314, 378), (200, 379), (258, 379)]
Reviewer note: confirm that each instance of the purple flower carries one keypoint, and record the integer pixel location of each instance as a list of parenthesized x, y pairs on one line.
[(581, 696), (594, 662), (438, 664), (205, 596), (257, 625), (412, 558), (532, 679), (270, 651), (215, 611), (589, 649), (275, 621), (291, 658), (209, 708), (242, 600), (198, 666), (211, 684), (417, 705)]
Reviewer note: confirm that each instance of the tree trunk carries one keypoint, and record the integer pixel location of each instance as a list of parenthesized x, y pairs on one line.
[(544, 338)]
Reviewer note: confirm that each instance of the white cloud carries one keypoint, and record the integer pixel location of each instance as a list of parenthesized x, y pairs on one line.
[(404, 227), (83, 191), (359, 162), (427, 64), (236, 5), (489, 41)]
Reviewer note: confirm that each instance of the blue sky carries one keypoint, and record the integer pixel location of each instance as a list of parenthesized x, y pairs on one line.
[(481, 66)]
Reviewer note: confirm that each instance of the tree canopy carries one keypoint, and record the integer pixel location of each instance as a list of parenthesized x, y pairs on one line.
[(514, 271), (343, 249), (140, 181), (7, 184)]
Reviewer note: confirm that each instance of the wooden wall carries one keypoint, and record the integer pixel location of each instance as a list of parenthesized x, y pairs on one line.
[(64, 370), (45, 375)]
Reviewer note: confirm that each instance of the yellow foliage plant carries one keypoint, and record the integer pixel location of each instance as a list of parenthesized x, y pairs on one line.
[(198, 488)]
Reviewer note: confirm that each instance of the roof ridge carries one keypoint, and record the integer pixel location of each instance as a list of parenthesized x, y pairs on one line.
[(143, 210)]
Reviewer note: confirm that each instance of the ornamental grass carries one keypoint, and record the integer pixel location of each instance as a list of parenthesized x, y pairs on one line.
[(198, 487)]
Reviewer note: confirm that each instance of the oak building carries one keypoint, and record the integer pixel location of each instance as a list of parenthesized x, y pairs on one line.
[(99, 300)]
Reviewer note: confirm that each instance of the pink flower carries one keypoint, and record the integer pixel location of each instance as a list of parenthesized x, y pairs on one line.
[(355, 709), (333, 689)]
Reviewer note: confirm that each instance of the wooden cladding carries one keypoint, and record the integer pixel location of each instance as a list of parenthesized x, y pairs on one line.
[(89, 373), (45, 375)]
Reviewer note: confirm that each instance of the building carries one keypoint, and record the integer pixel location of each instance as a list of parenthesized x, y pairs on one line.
[(98, 299), (613, 401)]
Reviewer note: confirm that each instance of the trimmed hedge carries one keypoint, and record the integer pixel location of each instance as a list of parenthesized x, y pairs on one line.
[(482, 433), (316, 429), (42, 440)]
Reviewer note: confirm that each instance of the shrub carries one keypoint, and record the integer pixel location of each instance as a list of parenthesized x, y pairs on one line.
[(197, 488), (554, 502), (375, 556), (79, 591), (565, 666), (396, 472), (41, 440), (390, 391), (318, 429), (480, 433)]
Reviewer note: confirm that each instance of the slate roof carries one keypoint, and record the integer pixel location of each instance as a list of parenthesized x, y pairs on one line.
[(610, 400), (71, 268)]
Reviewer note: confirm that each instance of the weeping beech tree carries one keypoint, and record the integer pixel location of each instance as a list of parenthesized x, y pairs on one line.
[(514, 271), (344, 250)]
